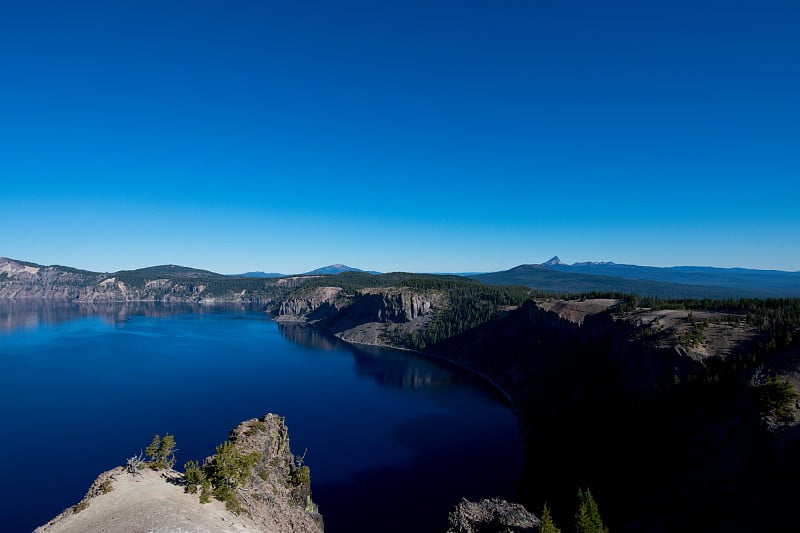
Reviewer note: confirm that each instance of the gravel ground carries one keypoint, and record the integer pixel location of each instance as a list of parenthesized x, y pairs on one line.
[(148, 502)]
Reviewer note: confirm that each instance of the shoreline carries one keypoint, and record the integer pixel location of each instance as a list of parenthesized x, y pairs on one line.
[(429, 355)]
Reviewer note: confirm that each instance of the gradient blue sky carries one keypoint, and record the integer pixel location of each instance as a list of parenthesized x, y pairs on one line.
[(416, 136)]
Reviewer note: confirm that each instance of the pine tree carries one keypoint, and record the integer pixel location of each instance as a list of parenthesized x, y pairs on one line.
[(587, 519), (161, 452), (548, 526)]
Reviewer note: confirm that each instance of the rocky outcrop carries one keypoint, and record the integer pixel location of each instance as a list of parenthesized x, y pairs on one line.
[(311, 307), (280, 488), (276, 498), (492, 516), (363, 317)]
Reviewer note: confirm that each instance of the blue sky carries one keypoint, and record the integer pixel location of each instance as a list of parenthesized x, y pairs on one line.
[(414, 136)]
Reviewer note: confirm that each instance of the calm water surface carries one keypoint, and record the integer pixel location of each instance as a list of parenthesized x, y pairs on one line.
[(394, 440)]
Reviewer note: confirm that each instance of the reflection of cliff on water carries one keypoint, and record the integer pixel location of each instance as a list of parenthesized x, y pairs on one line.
[(392, 368), (31, 313), (400, 369), (309, 337)]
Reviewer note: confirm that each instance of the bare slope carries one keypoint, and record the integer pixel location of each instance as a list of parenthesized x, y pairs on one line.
[(146, 501)]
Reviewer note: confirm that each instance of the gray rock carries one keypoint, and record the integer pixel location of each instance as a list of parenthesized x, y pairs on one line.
[(492, 516)]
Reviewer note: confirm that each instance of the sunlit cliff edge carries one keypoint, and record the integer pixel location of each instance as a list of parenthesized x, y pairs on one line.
[(274, 498)]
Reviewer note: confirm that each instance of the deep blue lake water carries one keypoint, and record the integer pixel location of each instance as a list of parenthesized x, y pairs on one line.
[(394, 440)]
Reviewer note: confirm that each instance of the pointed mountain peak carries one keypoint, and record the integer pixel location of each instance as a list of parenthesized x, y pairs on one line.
[(553, 261)]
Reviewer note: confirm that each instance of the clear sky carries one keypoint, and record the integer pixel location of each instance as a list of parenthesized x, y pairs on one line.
[(399, 135)]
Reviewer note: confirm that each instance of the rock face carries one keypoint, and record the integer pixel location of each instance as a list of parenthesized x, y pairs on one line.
[(319, 304), (276, 499), (280, 488), (492, 516), (26, 280), (363, 317)]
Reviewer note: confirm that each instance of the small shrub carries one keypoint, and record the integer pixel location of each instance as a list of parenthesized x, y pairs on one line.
[(205, 492), (81, 506), (257, 427), (300, 476), (194, 476)]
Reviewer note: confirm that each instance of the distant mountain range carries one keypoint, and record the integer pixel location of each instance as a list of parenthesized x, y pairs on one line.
[(24, 279), (668, 282), (321, 271)]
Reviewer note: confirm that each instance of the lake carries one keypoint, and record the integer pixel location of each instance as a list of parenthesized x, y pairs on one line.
[(394, 440)]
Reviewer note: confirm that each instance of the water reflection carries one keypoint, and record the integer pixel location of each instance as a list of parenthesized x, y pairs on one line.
[(388, 367), (309, 337), (30, 314)]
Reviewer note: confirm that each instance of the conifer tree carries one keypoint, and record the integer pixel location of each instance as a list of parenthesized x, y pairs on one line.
[(548, 526), (587, 519), (161, 452)]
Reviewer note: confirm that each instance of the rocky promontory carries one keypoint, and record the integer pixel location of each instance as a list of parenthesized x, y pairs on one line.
[(364, 316), (274, 498)]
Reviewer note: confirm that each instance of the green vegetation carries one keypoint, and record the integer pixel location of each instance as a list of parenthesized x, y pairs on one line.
[(587, 519), (173, 272), (228, 471), (257, 427), (471, 303), (350, 282), (548, 526), (775, 397), (696, 333), (196, 478), (468, 307), (161, 452), (777, 319), (300, 477)]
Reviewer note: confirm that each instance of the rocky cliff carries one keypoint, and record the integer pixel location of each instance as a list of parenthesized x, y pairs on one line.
[(364, 316), (652, 409), (27, 280), (21, 280), (276, 497)]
